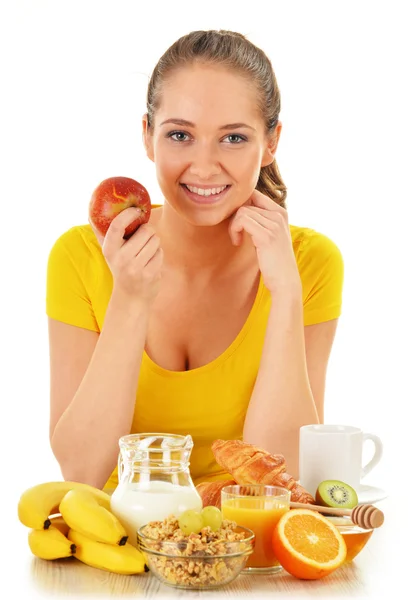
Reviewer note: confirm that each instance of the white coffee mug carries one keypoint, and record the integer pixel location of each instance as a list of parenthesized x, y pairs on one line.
[(335, 452)]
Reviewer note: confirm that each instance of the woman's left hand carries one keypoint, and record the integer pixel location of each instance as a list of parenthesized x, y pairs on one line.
[(267, 224)]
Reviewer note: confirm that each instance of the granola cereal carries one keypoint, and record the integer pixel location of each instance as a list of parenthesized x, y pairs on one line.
[(198, 559)]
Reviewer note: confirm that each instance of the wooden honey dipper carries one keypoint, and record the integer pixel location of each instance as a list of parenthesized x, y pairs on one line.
[(366, 516)]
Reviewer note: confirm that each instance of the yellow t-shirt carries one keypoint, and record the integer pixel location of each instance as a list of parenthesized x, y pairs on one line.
[(209, 402)]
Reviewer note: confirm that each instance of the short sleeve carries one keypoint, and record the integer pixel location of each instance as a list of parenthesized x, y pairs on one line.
[(322, 274), (69, 281)]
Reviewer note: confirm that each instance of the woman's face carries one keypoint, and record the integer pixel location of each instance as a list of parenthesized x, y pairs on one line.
[(208, 134)]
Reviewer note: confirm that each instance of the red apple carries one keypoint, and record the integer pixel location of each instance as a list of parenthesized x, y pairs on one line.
[(112, 196)]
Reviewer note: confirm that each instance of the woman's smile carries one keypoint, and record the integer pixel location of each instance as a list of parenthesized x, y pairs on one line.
[(205, 195)]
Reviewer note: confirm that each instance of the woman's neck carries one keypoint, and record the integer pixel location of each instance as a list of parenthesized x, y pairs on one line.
[(202, 252)]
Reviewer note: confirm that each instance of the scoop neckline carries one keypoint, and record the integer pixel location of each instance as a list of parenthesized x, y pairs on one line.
[(224, 355)]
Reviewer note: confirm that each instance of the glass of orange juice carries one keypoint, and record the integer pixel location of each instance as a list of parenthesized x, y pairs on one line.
[(258, 507)]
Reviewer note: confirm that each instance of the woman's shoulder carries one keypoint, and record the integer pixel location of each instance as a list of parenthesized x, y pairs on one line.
[(321, 267), (76, 253), (308, 243), (77, 240), (77, 234), (318, 258)]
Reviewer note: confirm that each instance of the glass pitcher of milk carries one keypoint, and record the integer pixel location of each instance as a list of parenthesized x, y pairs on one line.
[(153, 480)]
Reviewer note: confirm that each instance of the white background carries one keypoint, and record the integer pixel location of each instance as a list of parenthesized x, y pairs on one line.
[(74, 77)]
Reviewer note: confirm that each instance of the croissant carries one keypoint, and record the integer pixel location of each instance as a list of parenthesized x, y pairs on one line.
[(249, 464), (210, 491)]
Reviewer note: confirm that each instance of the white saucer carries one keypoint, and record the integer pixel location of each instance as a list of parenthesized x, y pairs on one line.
[(367, 494)]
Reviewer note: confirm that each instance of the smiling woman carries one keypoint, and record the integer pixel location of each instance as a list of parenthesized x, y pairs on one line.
[(217, 317)]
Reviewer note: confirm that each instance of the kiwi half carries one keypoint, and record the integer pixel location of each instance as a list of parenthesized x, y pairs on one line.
[(336, 494)]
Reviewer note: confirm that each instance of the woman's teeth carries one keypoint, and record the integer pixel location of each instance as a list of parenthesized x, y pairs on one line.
[(208, 192)]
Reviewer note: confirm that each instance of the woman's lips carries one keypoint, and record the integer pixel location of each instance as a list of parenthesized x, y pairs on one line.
[(212, 199)]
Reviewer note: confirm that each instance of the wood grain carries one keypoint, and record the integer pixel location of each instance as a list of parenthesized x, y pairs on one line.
[(70, 575), (365, 577)]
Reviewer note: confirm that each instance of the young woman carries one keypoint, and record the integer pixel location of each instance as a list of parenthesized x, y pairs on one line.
[(216, 318)]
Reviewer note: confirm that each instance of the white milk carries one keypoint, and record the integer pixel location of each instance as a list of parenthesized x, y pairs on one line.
[(135, 507)]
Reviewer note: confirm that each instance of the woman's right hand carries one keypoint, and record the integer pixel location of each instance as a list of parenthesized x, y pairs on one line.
[(134, 263)]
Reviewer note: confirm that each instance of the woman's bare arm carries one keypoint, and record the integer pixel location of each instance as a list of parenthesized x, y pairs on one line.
[(94, 381), (94, 377), (282, 400), (319, 339)]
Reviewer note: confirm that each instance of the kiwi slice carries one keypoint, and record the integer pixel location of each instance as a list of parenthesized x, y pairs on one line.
[(336, 494)]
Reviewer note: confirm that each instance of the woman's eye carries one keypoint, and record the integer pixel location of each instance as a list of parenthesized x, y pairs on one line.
[(234, 138), (181, 136), (177, 136)]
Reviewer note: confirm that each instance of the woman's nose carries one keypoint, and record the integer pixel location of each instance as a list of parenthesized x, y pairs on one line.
[(205, 163)]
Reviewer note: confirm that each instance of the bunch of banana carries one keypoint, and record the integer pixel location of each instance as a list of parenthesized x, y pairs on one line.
[(40, 501), (69, 518), (83, 512), (126, 560), (50, 544)]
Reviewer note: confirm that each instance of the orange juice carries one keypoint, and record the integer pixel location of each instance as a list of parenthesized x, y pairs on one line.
[(260, 514)]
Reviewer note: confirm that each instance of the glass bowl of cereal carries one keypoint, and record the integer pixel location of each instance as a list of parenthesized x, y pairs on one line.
[(203, 560)]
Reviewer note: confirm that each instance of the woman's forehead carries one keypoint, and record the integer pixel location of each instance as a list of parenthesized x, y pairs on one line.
[(192, 93)]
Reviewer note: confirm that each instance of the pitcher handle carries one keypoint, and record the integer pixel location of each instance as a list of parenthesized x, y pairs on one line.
[(378, 450), (120, 466)]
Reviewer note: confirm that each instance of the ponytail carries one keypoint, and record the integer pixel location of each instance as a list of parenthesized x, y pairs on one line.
[(271, 184)]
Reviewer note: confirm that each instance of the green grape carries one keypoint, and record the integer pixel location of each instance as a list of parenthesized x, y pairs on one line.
[(212, 517), (190, 521)]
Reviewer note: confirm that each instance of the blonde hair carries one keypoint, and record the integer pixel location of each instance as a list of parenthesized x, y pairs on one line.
[(233, 51)]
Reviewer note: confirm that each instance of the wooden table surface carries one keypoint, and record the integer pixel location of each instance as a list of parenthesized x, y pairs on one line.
[(370, 575)]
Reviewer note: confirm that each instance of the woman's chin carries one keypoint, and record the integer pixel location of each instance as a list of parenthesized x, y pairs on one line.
[(210, 218), (209, 215)]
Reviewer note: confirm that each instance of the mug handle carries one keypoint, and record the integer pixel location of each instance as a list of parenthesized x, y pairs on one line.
[(378, 449)]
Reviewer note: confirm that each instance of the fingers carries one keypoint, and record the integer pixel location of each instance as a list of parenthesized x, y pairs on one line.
[(114, 238), (258, 214), (236, 227), (260, 200), (245, 222), (155, 262), (236, 236), (253, 220), (144, 247)]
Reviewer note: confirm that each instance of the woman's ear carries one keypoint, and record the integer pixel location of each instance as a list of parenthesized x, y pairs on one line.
[(147, 137), (271, 148)]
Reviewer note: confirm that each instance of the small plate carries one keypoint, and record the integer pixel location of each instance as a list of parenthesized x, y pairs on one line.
[(367, 494)]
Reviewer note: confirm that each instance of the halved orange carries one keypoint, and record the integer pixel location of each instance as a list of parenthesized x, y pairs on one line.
[(308, 545)]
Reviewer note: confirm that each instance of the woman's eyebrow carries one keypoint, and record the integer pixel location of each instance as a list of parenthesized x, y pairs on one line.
[(190, 124)]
